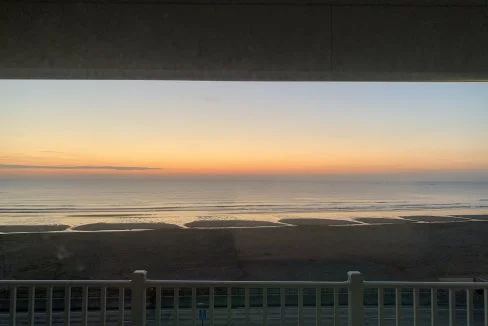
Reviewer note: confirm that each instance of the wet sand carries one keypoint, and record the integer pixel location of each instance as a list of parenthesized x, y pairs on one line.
[(124, 226), (315, 222), (109, 215), (434, 219), (33, 228), (230, 224), (408, 251), (378, 220), (233, 223), (475, 217)]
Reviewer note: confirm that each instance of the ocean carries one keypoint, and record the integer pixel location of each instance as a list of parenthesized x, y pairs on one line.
[(78, 201)]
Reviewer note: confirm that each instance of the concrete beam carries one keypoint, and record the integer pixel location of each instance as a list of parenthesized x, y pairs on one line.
[(404, 43), (223, 40), (417, 3)]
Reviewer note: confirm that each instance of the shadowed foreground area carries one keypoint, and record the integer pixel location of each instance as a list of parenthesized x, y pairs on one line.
[(407, 251), (273, 317)]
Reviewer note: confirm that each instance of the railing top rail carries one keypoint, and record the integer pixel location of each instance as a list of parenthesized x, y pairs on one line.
[(246, 284), (431, 285), (114, 283)]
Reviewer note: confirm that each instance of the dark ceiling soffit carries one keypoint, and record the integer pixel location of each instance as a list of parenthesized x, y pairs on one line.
[(239, 75), (334, 3)]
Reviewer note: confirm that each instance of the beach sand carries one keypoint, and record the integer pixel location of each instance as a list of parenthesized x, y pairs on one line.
[(124, 226), (229, 224), (408, 251), (381, 220)]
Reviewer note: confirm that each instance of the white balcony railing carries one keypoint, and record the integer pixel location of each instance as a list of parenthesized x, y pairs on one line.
[(141, 301)]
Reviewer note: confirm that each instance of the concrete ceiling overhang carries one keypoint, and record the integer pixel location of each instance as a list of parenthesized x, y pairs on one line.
[(328, 40)]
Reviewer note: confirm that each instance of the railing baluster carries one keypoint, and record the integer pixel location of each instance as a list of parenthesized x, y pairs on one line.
[(398, 306), (318, 306), (32, 306), (416, 316), (194, 306), (300, 306), (121, 306), (247, 304), (103, 305), (336, 307), (452, 307), (247, 311), (229, 306), (381, 307), (469, 307), (67, 305), (157, 309), (49, 306), (176, 305), (433, 307), (485, 305), (84, 305), (13, 305), (282, 306), (211, 304)]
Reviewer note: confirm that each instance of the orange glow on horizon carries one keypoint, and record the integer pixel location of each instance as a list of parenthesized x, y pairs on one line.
[(259, 167), (297, 160)]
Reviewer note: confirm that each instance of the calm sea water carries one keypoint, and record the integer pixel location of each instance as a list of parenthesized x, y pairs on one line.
[(80, 201)]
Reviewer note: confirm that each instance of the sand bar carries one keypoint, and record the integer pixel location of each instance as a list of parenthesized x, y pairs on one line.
[(475, 217), (428, 218), (315, 221), (229, 224), (381, 220)]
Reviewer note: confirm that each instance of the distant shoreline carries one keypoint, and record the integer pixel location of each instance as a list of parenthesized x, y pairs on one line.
[(241, 223)]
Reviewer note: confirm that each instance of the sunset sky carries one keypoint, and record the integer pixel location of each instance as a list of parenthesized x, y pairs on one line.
[(169, 127)]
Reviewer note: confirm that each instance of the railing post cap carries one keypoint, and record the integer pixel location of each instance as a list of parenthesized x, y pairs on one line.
[(140, 271), (355, 276), (139, 274)]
